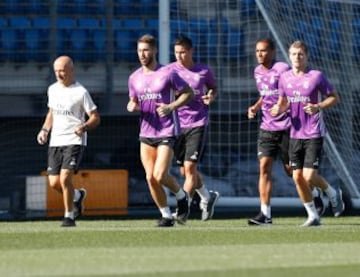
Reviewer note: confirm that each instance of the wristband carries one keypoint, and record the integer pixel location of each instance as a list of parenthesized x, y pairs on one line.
[(45, 130), (85, 127)]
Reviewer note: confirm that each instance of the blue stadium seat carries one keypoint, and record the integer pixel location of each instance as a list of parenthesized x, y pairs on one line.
[(86, 7), (125, 7), (8, 42), (178, 26), (79, 45), (82, 39), (65, 7), (212, 40), (132, 24), (89, 23), (149, 7), (152, 26), (100, 44), (13, 7), (125, 46), (64, 28), (37, 7), (18, 25), (334, 39), (234, 47), (37, 39), (248, 8), (356, 37), (309, 32)]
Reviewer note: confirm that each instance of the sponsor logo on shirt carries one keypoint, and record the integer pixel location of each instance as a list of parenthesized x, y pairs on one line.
[(298, 97)]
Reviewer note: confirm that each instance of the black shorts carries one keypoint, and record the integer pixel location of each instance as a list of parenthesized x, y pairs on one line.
[(305, 153), (272, 143), (64, 157), (155, 142), (190, 145)]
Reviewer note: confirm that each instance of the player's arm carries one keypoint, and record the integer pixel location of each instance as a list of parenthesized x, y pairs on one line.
[(133, 105), (252, 110), (184, 96), (328, 102), (91, 123), (43, 134), (209, 97), (281, 106)]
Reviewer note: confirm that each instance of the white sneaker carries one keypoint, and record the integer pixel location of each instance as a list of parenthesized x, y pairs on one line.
[(207, 208), (311, 222)]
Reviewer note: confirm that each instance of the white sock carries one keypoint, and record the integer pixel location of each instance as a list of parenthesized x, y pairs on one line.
[(330, 192), (190, 200), (165, 212), (76, 195), (180, 194), (69, 214), (266, 210), (311, 210), (203, 193), (315, 192)]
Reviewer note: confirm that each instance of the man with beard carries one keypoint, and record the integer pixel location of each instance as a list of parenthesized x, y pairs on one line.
[(151, 92)]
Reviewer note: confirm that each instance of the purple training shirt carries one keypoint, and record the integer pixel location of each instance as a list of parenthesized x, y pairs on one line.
[(299, 90), (200, 78), (150, 89), (267, 85)]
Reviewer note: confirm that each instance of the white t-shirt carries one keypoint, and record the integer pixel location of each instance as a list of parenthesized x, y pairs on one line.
[(69, 106)]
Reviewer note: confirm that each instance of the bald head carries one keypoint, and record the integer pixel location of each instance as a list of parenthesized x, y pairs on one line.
[(64, 69)]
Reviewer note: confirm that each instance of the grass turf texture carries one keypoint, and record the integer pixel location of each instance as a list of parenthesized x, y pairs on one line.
[(212, 248)]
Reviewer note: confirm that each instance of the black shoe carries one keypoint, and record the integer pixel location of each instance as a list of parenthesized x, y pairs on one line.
[(260, 219), (319, 202), (182, 210), (165, 222), (68, 222), (79, 205)]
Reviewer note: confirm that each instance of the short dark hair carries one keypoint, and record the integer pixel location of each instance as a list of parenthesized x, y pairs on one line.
[(269, 41), (184, 41)]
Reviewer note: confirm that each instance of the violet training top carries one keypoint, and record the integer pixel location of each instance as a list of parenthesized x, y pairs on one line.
[(150, 89), (200, 78), (267, 85), (299, 90)]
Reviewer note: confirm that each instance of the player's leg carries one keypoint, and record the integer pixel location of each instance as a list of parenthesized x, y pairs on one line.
[(312, 159), (268, 146), (71, 158), (195, 140), (161, 174), (148, 156), (297, 154), (53, 168), (68, 196), (208, 199)]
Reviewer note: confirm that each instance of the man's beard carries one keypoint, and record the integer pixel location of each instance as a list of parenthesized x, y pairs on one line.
[(149, 61)]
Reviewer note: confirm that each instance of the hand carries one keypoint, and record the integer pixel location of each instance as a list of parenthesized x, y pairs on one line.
[(251, 112), (275, 110), (42, 137), (208, 98), (132, 106), (311, 108), (80, 130), (163, 109)]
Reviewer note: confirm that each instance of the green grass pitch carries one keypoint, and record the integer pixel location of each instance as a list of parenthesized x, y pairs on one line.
[(213, 248)]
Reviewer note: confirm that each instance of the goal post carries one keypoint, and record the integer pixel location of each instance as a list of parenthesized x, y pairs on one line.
[(337, 63), (224, 35)]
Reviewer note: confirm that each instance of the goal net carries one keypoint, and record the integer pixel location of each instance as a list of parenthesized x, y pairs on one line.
[(224, 35)]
